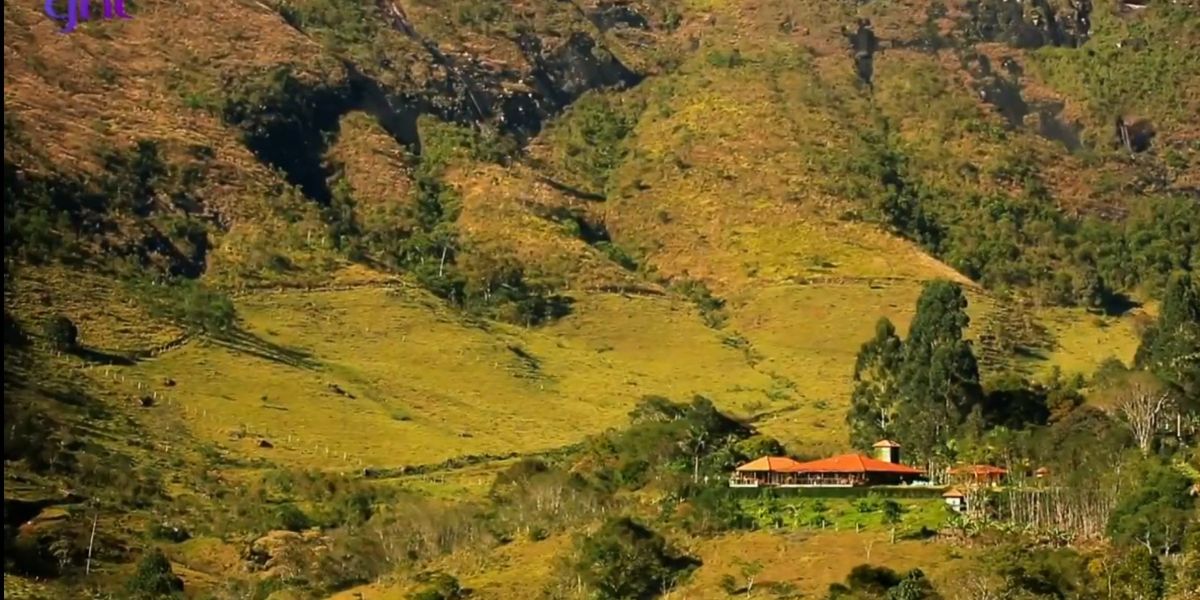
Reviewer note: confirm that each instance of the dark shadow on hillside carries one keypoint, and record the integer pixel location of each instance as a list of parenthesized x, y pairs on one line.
[(105, 357), (1030, 353), (574, 192), (1116, 305), (240, 340)]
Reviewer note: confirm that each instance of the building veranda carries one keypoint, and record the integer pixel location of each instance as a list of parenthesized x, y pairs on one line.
[(846, 470)]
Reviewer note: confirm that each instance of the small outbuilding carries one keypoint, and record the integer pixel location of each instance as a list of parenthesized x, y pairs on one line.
[(955, 499)]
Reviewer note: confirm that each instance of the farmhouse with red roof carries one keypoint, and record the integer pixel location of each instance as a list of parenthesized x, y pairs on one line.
[(846, 470)]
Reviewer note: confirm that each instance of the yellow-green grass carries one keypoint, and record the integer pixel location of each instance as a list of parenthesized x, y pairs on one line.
[(809, 561), (810, 335), (429, 386), (1084, 340), (107, 316), (467, 483)]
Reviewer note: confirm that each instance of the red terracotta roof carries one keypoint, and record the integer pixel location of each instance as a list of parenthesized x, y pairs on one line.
[(774, 464), (855, 463), (886, 444), (978, 470)]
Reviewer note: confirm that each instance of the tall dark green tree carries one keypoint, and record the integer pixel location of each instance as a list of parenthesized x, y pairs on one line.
[(940, 377), (1171, 347), (876, 387)]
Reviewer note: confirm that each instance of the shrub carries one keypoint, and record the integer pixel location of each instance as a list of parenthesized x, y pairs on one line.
[(712, 308), (62, 333), (625, 559), (191, 304), (154, 578), (170, 533), (438, 586), (291, 518), (14, 334)]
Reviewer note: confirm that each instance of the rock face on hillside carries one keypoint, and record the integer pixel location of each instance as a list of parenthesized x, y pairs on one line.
[(247, 163), (550, 72), (224, 120), (284, 554)]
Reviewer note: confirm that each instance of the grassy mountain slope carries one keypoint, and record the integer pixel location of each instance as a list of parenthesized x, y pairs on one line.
[(731, 226)]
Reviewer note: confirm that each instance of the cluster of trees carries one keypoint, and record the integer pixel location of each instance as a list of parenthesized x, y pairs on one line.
[(624, 559), (868, 582), (926, 389), (1009, 570), (920, 389), (187, 302), (59, 217), (1022, 239), (1114, 463), (421, 236), (592, 137)]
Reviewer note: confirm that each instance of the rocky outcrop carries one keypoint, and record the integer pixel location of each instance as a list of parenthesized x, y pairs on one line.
[(284, 554)]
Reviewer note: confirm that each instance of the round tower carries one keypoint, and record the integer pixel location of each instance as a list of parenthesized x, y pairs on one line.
[(887, 451)]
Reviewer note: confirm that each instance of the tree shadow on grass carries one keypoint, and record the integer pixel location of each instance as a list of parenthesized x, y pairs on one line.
[(97, 355), (240, 340), (1116, 305)]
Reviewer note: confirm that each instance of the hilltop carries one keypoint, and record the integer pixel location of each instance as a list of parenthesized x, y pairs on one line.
[(442, 235)]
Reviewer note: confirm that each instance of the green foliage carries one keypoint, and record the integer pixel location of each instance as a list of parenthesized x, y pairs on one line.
[(591, 137), (346, 27), (712, 308), (867, 582), (726, 59), (874, 401), (55, 216), (1138, 576), (438, 586), (922, 389), (482, 13), (1040, 573), (154, 578), (189, 303), (291, 518), (1155, 514), (1112, 76), (940, 376), (61, 332), (1171, 347), (624, 559), (170, 533), (1083, 443), (1021, 239), (692, 438)]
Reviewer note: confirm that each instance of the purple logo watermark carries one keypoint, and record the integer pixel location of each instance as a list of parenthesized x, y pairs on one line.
[(79, 10)]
